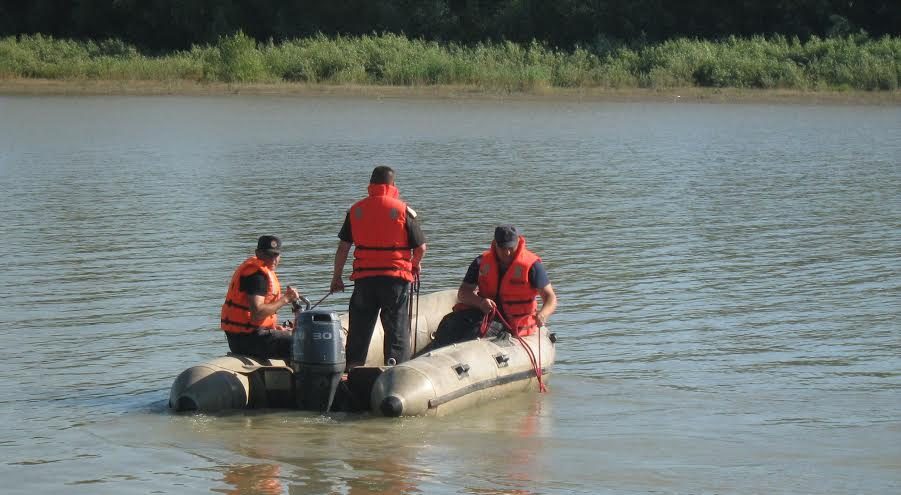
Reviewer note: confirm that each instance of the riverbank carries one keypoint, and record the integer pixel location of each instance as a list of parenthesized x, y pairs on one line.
[(90, 87), (845, 69)]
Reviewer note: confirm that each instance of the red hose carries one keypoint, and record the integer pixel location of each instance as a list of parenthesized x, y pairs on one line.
[(536, 365)]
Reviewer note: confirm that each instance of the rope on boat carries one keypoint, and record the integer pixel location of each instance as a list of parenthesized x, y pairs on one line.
[(536, 364), (414, 290)]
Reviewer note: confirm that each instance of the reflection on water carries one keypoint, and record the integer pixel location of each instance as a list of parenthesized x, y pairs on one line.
[(382, 476), (262, 479), (728, 278)]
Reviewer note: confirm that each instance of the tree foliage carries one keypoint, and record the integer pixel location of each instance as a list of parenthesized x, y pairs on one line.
[(164, 25)]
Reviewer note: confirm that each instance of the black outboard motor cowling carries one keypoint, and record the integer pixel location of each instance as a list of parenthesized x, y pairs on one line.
[(317, 357)]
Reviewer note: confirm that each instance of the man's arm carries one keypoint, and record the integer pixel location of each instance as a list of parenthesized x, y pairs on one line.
[(259, 309), (345, 241), (418, 253), (340, 259), (548, 304), (468, 293), (416, 239)]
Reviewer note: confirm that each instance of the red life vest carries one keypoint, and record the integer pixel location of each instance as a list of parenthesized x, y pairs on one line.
[(236, 309), (514, 296), (378, 224)]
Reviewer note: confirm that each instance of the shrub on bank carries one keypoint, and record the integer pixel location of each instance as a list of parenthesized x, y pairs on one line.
[(235, 59), (854, 62), (42, 57)]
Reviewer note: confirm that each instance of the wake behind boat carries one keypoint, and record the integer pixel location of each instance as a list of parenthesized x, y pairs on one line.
[(436, 382)]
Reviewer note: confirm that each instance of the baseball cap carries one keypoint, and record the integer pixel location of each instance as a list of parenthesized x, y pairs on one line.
[(270, 244), (506, 236)]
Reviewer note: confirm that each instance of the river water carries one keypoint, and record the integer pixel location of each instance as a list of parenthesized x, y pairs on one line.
[(729, 280)]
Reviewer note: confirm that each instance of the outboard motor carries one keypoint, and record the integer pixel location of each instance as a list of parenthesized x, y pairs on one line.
[(317, 357)]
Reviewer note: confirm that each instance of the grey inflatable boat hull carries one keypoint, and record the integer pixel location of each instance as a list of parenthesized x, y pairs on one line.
[(439, 382), (233, 382), (462, 375)]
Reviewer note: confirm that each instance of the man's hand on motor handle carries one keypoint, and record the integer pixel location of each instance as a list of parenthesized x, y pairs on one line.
[(337, 284), (291, 295)]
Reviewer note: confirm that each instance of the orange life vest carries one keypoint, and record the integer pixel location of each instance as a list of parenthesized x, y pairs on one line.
[(378, 224), (236, 309), (514, 296)]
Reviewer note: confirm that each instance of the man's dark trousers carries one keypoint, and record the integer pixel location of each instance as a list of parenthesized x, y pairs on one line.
[(371, 294)]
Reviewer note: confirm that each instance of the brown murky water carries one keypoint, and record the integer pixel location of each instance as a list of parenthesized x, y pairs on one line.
[(729, 277)]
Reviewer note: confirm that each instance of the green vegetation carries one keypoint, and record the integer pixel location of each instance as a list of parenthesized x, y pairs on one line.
[(163, 26), (835, 63)]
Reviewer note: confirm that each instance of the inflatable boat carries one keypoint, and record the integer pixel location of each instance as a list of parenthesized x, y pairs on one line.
[(434, 382)]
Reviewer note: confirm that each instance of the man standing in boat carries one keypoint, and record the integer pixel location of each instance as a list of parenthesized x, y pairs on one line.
[(388, 249), (250, 312), (504, 282)]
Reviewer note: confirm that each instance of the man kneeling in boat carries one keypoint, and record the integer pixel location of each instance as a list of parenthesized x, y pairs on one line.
[(250, 312), (502, 283)]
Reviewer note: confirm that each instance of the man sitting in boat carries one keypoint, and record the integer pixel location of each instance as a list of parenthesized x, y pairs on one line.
[(500, 287), (250, 312)]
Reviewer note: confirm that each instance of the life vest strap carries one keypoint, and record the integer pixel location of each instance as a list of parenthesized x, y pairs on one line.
[(230, 326), (229, 302), (519, 301), (380, 268), (384, 248)]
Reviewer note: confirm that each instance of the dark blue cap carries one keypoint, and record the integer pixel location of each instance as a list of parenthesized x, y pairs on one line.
[(506, 236)]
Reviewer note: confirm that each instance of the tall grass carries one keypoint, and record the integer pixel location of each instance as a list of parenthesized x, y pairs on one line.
[(853, 62)]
